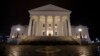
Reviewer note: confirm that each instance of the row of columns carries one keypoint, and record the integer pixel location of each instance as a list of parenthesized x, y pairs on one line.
[(34, 27)]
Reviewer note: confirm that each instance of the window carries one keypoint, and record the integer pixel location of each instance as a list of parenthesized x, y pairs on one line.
[(49, 25), (43, 25), (55, 33), (43, 33), (55, 24)]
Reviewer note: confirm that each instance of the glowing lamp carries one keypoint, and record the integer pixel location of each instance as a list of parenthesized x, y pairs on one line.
[(18, 29), (80, 30)]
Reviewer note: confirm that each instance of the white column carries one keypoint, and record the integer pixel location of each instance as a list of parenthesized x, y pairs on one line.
[(65, 28), (39, 33), (53, 25), (29, 27), (46, 25), (61, 26), (37, 24), (69, 27), (34, 28)]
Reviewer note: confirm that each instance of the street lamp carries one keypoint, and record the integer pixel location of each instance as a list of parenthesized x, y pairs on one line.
[(80, 32), (18, 30)]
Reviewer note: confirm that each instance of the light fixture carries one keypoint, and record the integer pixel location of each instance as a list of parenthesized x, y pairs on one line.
[(80, 30), (18, 29), (13, 36)]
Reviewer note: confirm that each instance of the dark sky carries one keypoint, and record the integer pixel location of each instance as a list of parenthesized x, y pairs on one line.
[(83, 12)]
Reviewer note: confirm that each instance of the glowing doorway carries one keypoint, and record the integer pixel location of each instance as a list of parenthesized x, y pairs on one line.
[(49, 33)]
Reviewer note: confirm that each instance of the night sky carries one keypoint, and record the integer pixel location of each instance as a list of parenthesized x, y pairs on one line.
[(83, 12)]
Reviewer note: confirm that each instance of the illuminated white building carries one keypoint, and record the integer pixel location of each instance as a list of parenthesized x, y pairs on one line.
[(49, 20)]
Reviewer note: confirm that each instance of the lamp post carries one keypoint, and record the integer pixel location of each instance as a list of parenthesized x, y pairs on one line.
[(80, 33), (18, 30)]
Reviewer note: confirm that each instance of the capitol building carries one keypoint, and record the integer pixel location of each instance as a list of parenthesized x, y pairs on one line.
[(49, 22)]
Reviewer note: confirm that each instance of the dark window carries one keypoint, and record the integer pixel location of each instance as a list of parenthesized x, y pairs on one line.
[(55, 24), (55, 33), (43, 33), (49, 24), (43, 25)]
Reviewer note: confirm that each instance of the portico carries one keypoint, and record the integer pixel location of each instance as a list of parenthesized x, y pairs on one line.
[(45, 25), (49, 22)]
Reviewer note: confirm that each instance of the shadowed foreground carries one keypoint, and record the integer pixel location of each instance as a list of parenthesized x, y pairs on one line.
[(48, 50)]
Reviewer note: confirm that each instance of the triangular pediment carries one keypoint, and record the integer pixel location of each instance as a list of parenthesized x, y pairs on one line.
[(49, 7)]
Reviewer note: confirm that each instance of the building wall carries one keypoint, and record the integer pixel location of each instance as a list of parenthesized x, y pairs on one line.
[(14, 32), (84, 33), (75, 32), (24, 29), (52, 15)]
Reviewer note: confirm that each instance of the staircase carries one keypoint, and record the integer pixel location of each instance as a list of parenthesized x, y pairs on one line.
[(47, 39)]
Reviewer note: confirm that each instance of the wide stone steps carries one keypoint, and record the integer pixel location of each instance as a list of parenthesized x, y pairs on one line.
[(47, 38)]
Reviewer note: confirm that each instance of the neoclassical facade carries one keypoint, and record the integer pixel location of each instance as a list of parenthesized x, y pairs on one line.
[(50, 20)]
